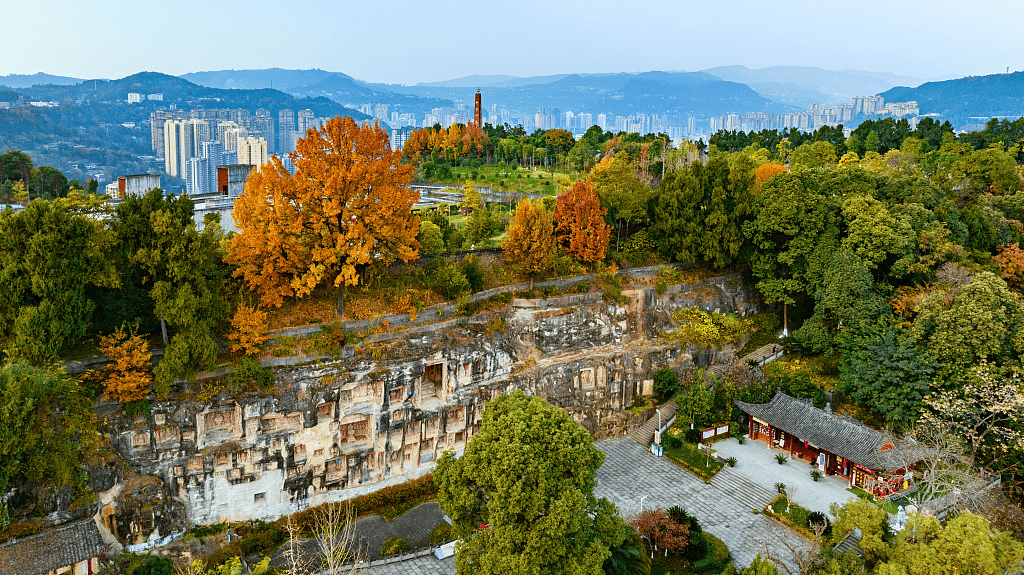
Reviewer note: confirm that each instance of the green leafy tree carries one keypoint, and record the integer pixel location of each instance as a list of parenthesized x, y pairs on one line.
[(794, 233), (430, 238), (623, 193), (966, 544), (873, 523), (133, 228), (522, 495), (885, 372), (981, 320), (697, 402), (49, 259), (699, 211), (184, 267), (846, 304), (48, 425)]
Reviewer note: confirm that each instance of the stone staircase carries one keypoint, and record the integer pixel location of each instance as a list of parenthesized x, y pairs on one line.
[(742, 489), (644, 434)]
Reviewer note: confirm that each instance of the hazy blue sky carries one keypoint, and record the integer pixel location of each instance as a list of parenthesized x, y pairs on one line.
[(428, 40)]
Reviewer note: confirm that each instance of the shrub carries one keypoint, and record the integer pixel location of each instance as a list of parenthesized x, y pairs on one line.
[(697, 548), (474, 274), (780, 458), (716, 558), (441, 534), (156, 566), (732, 462), (741, 440), (248, 373), (693, 436), (817, 517), (394, 545), (666, 382), (816, 474), (450, 282), (379, 502), (673, 442)]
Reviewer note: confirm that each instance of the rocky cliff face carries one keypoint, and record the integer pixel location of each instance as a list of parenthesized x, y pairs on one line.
[(381, 413)]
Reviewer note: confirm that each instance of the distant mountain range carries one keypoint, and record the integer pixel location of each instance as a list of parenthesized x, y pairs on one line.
[(277, 78), (672, 93), (974, 98), (802, 85), (27, 80)]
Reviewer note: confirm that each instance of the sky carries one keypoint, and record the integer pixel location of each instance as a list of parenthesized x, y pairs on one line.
[(405, 42)]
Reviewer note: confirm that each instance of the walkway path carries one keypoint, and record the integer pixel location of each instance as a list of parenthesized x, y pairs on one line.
[(428, 565), (630, 472), (644, 434), (742, 489)]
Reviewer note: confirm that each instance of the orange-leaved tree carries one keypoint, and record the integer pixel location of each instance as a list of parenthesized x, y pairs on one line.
[(1011, 263), (248, 328), (348, 205), (763, 173), (128, 375), (530, 241), (579, 223)]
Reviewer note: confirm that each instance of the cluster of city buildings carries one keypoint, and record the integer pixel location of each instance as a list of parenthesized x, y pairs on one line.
[(677, 126), (818, 116)]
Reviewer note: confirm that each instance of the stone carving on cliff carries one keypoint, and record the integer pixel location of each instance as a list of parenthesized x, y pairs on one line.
[(336, 428)]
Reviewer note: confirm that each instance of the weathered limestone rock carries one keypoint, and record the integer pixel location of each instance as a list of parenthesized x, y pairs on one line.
[(382, 413)]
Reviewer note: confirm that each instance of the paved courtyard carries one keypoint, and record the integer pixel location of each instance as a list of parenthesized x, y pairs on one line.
[(756, 462), (630, 472)]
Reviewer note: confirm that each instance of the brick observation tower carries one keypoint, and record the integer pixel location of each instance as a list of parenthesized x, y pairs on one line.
[(478, 110)]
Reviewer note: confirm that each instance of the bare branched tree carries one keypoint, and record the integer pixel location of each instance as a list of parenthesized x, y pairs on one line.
[(790, 551), (335, 533), (965, 438)]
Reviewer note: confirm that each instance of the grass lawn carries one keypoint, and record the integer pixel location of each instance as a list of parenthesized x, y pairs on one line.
[(670, 565), (795, 514), (693, 459), (530, 180)]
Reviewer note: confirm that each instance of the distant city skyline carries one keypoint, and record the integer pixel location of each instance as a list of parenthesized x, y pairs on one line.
[(412, 42)]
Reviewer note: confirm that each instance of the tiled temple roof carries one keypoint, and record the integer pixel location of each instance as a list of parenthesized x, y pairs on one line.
[(842, 436), (53, 549)]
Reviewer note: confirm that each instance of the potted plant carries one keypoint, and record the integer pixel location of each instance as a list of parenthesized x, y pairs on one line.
[(780, 487), (780, 458), (816, 474), (732, 462)]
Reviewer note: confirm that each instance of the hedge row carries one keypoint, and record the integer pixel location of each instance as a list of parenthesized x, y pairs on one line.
[(716, 559), (376, 503)]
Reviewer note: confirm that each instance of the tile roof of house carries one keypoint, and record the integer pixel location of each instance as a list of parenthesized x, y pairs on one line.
[(59, 547), (842, 436)]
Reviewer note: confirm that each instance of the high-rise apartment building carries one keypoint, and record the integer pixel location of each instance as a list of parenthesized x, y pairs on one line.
[(307, 121), (156, 129), (252, 151), (178, 147), (202, 169), (285, 132)]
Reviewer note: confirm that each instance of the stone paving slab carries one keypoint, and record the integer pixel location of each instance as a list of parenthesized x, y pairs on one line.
[(428, 565), (630, 471), (756, 461)]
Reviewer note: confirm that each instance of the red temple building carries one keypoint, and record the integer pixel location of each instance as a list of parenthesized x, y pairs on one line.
[(838, 445)]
